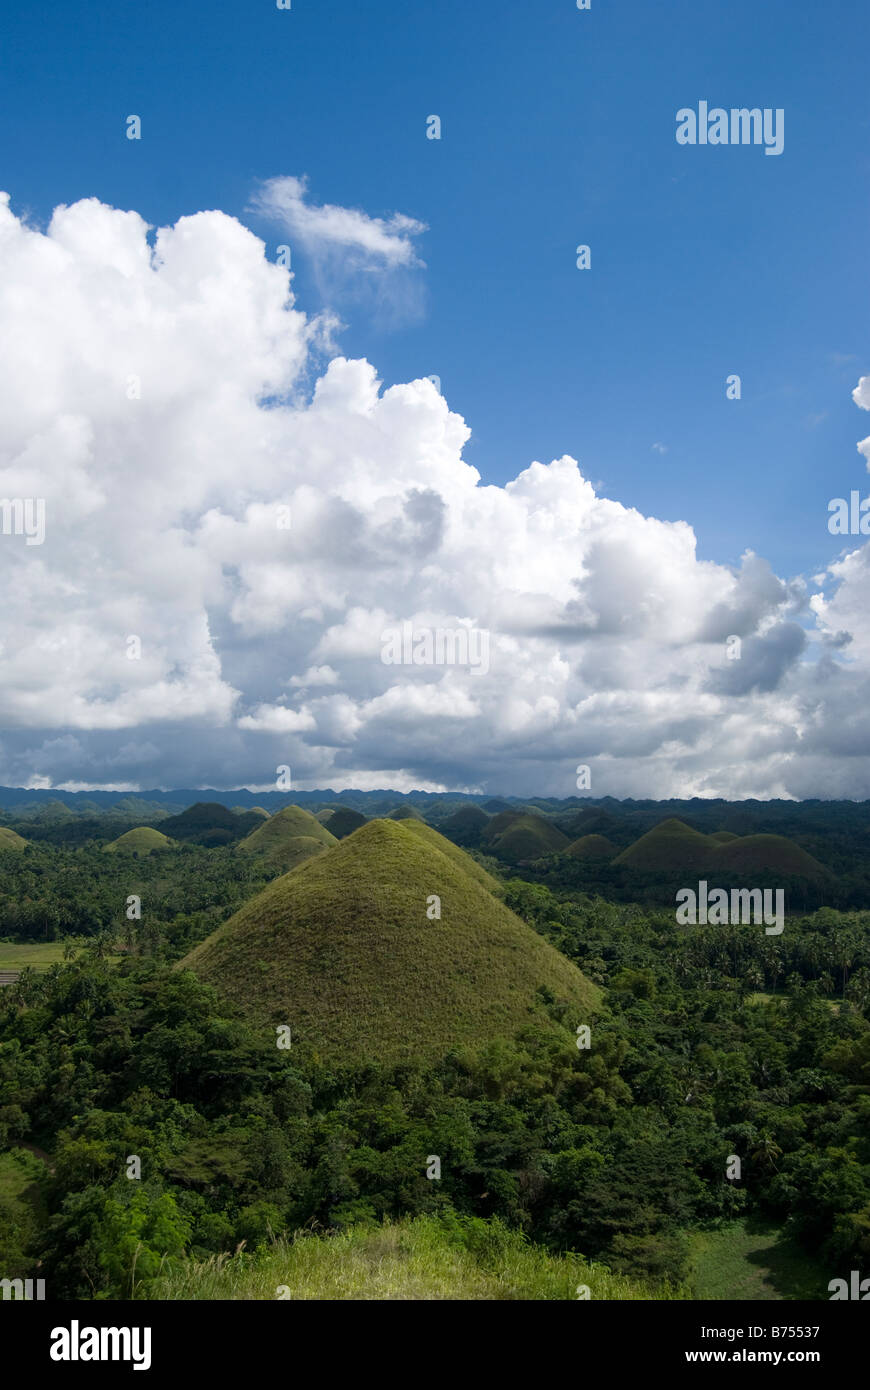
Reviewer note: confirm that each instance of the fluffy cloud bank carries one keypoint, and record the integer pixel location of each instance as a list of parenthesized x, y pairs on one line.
[(224, 551)]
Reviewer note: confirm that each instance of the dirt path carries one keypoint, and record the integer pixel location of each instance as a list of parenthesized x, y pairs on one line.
[(37, 1153)]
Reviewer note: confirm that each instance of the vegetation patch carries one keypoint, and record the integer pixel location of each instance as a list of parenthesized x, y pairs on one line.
[(405, 1260)]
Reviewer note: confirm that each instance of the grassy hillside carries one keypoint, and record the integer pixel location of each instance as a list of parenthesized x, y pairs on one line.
[(674, 845), (9, 839), (421, 1259), (589, 822), (466, 826), (432, 837), (342, 950), (143, 840), (288, 838), (670, 845), (513, 836), (592, 847), (500, 822), (768, 853)]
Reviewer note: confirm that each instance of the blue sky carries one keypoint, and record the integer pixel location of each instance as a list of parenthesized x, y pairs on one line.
[(558, 128), (262, 645)]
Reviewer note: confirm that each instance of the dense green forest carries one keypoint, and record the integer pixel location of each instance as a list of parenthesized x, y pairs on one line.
[(711, 1043)]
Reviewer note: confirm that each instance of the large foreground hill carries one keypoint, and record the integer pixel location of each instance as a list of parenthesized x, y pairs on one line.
[(342, 950)]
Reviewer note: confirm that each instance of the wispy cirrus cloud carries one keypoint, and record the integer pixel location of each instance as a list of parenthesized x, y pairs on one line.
[(382, 242), (359, 260)]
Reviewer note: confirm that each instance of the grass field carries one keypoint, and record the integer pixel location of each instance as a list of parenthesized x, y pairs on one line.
[(16, 955), (408, 1260), (752, 1259)]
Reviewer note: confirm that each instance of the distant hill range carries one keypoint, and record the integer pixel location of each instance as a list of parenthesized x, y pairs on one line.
[(595, 833), (574, 816), (348, 951), (673, 845)]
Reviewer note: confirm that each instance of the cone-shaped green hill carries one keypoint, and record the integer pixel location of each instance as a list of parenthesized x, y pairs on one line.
[(342, 951), (592, 847), (669, 845), (516, 836), (674, 845), (466, 826), (288, 838), (143, 840), (341, 820), (433, 837), (9, 839), (768, 854)]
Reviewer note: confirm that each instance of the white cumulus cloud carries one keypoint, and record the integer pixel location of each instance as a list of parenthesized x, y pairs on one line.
[(257, 541)]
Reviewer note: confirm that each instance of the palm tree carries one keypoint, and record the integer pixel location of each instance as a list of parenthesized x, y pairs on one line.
[(766, 1150)]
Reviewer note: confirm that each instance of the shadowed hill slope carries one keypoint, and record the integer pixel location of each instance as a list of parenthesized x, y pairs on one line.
[(515, 836), (341, 821), (208, 823), (466, 826), (768, 854), (673, 845), (343, 952), (592, 847)]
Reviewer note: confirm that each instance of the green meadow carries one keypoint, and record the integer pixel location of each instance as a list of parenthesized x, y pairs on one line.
[(753, 1259), (39, 955)]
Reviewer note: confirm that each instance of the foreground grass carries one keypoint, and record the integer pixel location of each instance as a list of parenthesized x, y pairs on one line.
[(752, 1259), (423, 1258)]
